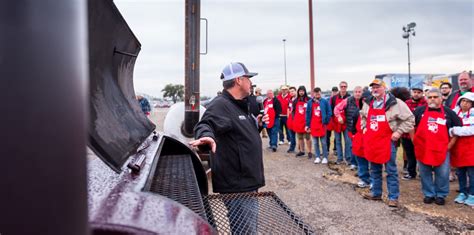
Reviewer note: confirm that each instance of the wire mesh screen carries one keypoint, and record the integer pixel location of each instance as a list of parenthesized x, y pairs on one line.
[(252, 213), (175, 178)]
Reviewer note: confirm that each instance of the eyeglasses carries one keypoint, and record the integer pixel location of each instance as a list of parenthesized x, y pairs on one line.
[(342, 86), (432, 97)]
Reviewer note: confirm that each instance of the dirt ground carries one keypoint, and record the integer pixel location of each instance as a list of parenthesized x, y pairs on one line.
[(326, 197)]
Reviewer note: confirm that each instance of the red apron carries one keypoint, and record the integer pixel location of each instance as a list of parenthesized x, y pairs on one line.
[(378, 137), (289, 120), (268, 107), (299, 118), (431, 138), (317, 127), (357, 141), (336, 126), (461, 153)]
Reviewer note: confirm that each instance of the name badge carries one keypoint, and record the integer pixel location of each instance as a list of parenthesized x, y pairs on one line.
[(242, 117), (318, 108), (304, 105), (441, 121), (270, 105), (380, 118)]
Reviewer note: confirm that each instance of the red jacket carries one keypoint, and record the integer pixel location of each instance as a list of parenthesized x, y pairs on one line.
[(284, 103)]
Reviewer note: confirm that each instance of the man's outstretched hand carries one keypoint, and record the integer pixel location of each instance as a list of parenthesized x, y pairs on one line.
[(204, 141)]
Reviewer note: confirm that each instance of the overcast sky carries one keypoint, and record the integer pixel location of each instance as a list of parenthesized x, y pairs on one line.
[(354, 40)]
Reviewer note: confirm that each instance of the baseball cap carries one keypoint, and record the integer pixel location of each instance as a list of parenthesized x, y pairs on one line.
[(417, 88), (235, 70), (377, 82), (284, 87)]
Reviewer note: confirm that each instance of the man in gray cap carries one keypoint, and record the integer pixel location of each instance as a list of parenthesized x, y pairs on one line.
[(232, 133)]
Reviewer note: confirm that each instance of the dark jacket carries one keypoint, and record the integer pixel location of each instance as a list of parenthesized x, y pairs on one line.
[(325, 111), (452, 118), (237, 165), (254, 106), (352, 109)]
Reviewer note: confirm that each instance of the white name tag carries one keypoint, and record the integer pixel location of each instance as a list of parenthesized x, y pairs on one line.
[(380, 118), (242, 117), (304, 105), (441, 121), (318, 108), (270, 105)]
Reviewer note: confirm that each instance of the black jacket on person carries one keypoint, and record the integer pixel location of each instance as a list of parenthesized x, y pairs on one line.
[(452, 118), (237, 165), (254, 106), (351, 111)]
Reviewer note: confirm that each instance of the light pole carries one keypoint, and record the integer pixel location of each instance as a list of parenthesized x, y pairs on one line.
[(407, 31), (284, 58)]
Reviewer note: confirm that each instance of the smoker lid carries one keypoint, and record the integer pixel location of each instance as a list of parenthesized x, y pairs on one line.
[(117, 126)]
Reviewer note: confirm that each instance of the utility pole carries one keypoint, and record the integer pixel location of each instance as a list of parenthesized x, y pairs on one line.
[(284, 59), (311, 49)]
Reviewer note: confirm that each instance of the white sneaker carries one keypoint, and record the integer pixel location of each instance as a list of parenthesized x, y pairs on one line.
[(317, 161), (325, 161), (281, 142), (353, 167), (362, 184)]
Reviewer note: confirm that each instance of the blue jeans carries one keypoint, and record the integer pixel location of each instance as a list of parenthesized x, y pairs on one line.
[(440, 186), (292, 136), (347, 146), (464, 173), (363, 169), (317, 152), (283, 126), (392, 176), (242, 214), (273, 133)]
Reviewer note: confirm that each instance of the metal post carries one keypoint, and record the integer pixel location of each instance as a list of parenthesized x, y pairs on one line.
[(284, 59), (192, 56), (311, 50), (409, 70), (44, 111)]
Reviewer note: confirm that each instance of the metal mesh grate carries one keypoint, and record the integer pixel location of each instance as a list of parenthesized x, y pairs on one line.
[(252, 213), (175, 178)]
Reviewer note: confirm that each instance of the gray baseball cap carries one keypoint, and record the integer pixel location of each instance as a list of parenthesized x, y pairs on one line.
[(235, 70)]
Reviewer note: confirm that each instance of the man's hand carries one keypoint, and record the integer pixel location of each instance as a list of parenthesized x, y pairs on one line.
[(395, 136), (340, 120), (364, 130), (307, 129), (452, 141), (263, 119), (204, 141)]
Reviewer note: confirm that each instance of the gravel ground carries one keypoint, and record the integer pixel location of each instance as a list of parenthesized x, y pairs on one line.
[(327, 199)]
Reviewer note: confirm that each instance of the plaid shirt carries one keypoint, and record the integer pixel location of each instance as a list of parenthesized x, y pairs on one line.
[(413, 105), (145, 105)]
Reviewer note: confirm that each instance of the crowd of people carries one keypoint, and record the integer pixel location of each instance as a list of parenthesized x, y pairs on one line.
[(435, 129)]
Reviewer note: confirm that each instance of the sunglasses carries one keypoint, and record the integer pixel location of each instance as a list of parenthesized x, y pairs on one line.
[(432, 97), (342, 86)]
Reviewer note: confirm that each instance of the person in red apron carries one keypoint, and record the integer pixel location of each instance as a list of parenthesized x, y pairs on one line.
[(284, 99), (271, 106), (318, 113), (431, 141), (339, 127), (462, 156), (384, 119), (289, 121), (299, 120)]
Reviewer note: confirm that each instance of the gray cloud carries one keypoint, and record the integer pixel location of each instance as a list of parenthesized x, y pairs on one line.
[(354, 40)]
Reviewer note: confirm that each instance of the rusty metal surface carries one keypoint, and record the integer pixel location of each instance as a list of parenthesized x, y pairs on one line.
[(175, 178), (252, 213), (43, 64), (121, 201), (117, 125)]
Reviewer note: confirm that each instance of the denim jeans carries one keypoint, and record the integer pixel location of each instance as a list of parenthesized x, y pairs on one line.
[(410, 151), (392, 176), (292, 136), (363, 169), (273, 133), (440, 186), (317, 151), (242, 214), (463, 174), (280, 130), (347, 146)]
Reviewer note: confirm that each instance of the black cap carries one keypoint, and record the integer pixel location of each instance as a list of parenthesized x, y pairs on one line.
[(334, 88)]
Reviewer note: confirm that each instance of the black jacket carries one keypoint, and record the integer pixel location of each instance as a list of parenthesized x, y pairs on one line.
[(452, 118), (237, 165), (254, 106), (352, 110)]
